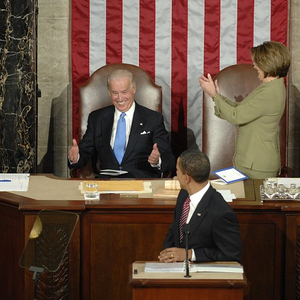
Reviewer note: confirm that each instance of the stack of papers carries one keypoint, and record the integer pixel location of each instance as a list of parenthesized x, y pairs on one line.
[(112, 172), (14, 182), (219, 267)]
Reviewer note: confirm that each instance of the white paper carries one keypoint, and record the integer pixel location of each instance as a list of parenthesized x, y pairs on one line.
[(223, 268), (230, 175), (14, 182), (227, 195), (219, 181), (151, 267), (163, 267), (112, 172)]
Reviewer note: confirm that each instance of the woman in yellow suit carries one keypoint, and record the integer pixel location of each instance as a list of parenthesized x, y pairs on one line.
[(257, 152)]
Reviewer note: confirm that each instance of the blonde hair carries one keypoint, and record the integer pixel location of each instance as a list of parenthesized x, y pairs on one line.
[(273, 58)]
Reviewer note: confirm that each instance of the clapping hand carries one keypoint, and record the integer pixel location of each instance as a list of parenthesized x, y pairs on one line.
[(208, 85)]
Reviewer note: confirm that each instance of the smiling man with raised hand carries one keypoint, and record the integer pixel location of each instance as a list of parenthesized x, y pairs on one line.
[(126, 136)]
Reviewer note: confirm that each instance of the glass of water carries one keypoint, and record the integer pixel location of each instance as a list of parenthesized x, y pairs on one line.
[(91, 191)]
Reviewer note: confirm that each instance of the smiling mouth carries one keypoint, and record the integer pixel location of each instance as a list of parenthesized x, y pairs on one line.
[(121, 102)]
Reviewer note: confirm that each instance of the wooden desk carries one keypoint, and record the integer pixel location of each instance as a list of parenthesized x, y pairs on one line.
[(114, 232), (166, 286)]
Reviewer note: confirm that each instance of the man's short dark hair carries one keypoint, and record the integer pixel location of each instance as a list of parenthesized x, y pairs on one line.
[(195, 164)]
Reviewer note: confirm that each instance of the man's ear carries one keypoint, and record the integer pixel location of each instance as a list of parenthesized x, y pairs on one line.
[(187, 178)]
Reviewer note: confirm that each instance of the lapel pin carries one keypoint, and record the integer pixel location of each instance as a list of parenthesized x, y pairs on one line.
[(198, 215)]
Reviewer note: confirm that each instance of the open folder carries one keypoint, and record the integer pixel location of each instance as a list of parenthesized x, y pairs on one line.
[(222, 267), (230, 175)]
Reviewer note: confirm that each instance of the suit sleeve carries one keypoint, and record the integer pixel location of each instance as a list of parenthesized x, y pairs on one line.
[(172, 239), (254, 106), (226, 236), (161, 137)]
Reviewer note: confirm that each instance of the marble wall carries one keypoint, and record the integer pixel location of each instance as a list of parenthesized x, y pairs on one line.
[(17, 87), (54, 78)]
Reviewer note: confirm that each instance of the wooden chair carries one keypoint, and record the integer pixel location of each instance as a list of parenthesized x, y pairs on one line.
[(219, 136), (94, 95)]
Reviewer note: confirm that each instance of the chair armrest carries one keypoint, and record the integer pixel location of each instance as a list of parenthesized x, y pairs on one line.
[(286, 171)]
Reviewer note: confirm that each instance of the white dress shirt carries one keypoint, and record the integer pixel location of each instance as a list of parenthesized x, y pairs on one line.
[(128, 118)]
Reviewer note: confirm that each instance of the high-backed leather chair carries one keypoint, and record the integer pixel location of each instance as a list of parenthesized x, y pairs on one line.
[(94, 95), (219, 136)]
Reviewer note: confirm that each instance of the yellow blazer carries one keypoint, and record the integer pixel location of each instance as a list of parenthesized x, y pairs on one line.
[(257, 118)]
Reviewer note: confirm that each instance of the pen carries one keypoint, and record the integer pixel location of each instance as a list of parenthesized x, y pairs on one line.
[(5, 180)]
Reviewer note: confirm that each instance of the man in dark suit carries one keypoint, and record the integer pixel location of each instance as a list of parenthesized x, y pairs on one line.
[(214, 233), (146, 149)]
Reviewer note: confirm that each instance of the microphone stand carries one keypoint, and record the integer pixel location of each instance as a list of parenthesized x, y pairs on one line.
[(187, 265), (35, 277)]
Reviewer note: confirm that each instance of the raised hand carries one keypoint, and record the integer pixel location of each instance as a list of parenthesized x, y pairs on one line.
[(154, 155), (208, 85), (73, 152)]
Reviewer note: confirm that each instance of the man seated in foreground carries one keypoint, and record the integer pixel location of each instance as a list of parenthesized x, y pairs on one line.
[(125, 136), (214, 233)]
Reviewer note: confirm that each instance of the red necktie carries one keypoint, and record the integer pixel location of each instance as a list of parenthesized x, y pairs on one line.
[(183, 217)]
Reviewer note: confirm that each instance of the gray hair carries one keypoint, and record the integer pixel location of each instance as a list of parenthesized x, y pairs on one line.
[(120, 74)]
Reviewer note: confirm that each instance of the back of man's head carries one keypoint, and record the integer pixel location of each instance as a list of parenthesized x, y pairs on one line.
[(195, 164)]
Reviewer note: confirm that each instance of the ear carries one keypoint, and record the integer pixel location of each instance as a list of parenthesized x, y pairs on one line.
[(134, 89), (187, 178)]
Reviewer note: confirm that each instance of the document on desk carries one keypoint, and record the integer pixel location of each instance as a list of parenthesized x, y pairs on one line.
[(121, 187), (14, 182), (230, 175), (227, 195), (111, 172), (217, 267)]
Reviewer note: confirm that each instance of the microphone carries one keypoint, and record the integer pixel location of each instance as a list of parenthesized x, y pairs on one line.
[(186, 232)]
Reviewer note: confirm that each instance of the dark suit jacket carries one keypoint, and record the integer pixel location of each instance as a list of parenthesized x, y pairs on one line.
[(147, 128), (214, 230)]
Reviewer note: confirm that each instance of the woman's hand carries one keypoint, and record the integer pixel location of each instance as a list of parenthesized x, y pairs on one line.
[(208, 86)]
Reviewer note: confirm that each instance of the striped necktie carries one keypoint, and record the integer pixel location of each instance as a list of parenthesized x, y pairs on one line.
[(120, 139), (183, 217)]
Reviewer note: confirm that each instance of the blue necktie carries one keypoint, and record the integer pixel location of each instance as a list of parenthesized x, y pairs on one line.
[(120, 139)]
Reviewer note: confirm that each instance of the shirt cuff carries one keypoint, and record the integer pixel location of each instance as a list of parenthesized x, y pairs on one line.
[(74, 163), (193, 255), (158, 166)]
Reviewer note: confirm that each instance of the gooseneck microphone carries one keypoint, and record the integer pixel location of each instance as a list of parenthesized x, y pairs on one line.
[(186, 231)]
